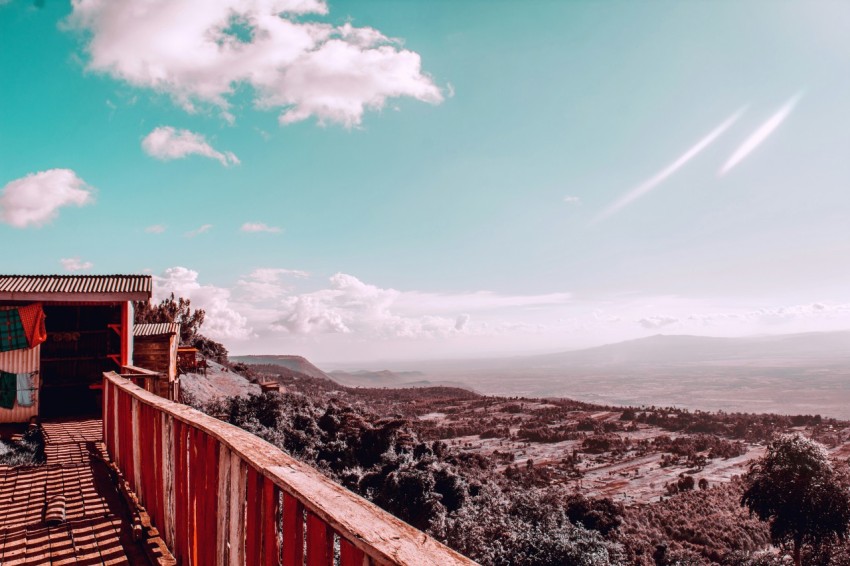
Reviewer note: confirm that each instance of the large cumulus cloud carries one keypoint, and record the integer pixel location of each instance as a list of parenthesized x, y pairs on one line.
[(201, 51)]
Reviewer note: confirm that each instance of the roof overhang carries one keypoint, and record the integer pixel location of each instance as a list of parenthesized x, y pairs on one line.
[(119, 297), (75, 288)]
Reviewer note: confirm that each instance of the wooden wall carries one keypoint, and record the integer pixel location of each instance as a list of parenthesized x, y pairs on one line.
[(159, 354)]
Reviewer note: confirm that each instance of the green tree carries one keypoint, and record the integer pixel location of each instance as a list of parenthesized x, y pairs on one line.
[(795, 487), (172, 310)]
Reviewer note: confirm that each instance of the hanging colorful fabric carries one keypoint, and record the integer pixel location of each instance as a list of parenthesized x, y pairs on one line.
[(12, 334), (8, 389), (25, 388), (32, 319)]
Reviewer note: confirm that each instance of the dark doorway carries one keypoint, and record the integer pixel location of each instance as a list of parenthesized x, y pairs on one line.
[(82, 343)]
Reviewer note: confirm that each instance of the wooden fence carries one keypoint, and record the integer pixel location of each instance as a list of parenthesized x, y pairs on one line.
[(220, 495)]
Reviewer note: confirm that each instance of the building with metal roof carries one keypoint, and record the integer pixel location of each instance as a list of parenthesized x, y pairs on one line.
[(155, 349), (85, 324), (156, 329), (72, 288)]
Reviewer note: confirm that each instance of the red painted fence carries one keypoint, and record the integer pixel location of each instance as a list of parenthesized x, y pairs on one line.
[(220, 495)]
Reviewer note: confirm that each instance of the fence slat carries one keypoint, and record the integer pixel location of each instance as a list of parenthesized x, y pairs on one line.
[(223, 514), (197, 470), (181, 542), (238, 479), (319, 542), (270, 517), (254, 504), (210, 481), (293, 531), (349, 555), (168, 480)]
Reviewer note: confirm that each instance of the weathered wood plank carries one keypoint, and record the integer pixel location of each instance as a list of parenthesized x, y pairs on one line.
[(181, 507), (168, 458), (349, 555), (134, 442), (223, 515), (319, 542), (270, 522), (238, 481), (210, 531), (293, 531), (197, 472), (253, 519)]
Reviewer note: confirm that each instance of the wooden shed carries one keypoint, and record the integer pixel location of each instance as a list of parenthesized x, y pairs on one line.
[(155, 348), (87, 326)]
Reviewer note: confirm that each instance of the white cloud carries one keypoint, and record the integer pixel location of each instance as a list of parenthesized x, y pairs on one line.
[(75, 264), (222, 321), (665, 173), (264, 284), (202, 229), (167, 143), (655, 322), (200, 52), (35, 200), (761, 134), (351, 306), (155, 229), (260, 227), (772, 316), (275, 310), (572, 200)]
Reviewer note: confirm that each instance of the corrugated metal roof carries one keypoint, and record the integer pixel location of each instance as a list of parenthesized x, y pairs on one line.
[(157, 329), (41, 287)]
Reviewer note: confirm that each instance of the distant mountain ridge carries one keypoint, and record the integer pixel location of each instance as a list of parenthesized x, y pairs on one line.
[(688, 349), (298, 364)]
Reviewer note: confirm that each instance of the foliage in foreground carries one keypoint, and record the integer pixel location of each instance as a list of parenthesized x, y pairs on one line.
[(795, 487), (458, 498), (29, 451)]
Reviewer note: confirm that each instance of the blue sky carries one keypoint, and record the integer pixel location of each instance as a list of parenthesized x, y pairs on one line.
[(375, 179)]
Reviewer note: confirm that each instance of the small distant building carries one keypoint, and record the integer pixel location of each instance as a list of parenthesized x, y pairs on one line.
[(58, 334), (189, 360), (155, 348)]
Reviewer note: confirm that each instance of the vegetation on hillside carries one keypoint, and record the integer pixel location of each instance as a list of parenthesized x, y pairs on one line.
[(420, 454)]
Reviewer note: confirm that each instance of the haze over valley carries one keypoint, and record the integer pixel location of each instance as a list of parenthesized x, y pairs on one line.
[(806, 373)]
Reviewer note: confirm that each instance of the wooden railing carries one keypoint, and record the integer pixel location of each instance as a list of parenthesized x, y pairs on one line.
[(154, 381), (220, 495)]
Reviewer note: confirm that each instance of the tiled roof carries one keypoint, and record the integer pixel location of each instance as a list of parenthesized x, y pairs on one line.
[(157, 329), (35, 286)]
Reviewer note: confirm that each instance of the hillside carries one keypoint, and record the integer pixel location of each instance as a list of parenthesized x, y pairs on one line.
[(299, 364), (219, 382), (469, 469)]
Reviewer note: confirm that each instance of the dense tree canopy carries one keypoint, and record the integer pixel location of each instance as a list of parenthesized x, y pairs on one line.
[(795, 487)]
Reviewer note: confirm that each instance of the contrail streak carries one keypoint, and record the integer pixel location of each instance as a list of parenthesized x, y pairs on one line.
[(760, 135), (662, 175)]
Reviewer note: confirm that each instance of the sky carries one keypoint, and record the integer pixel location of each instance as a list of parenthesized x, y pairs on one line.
[(387, 180)]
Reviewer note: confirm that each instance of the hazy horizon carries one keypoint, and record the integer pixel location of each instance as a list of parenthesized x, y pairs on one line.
[(450, 180)]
